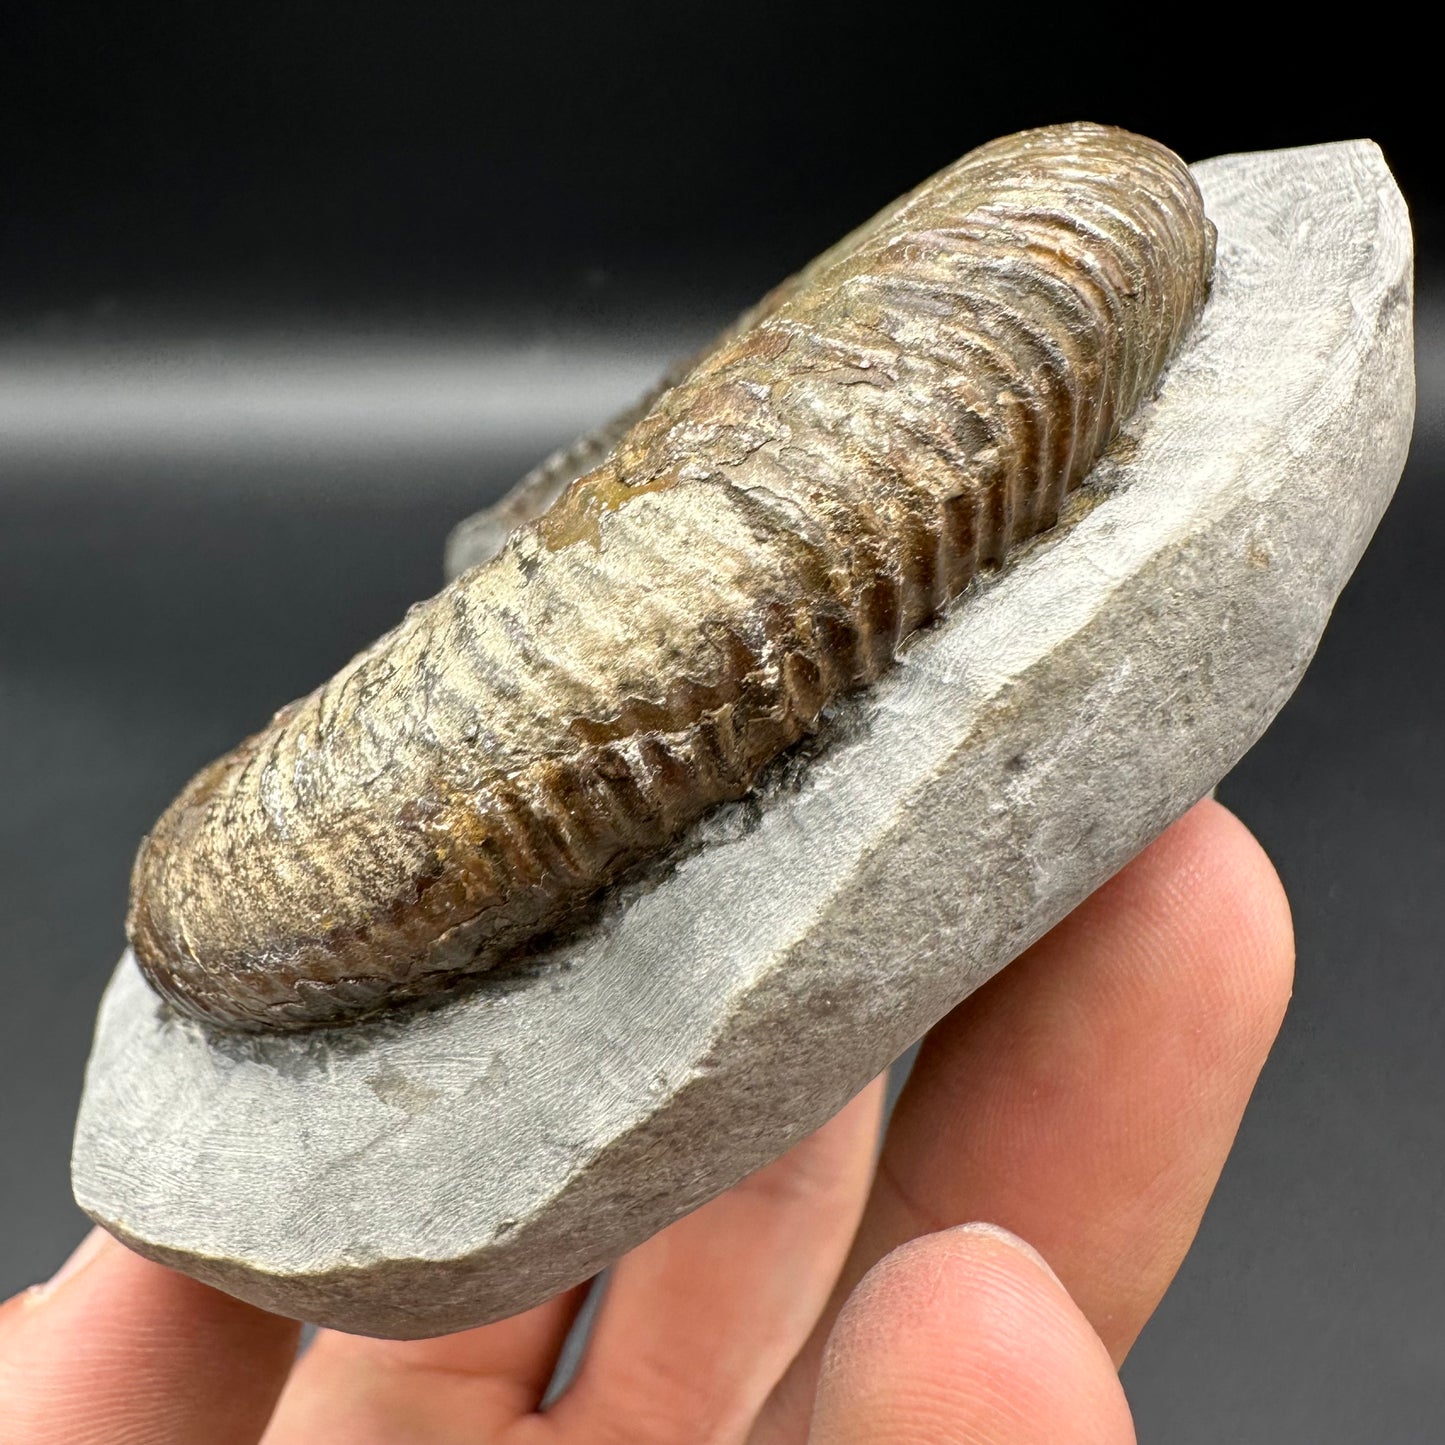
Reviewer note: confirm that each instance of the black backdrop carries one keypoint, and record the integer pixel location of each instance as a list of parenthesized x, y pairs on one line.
[(288, 152), (521, 214)]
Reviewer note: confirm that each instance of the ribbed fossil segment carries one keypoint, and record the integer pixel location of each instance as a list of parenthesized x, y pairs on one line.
[(919, 400)]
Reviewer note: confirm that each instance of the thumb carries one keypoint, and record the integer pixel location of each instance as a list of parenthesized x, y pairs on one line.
[(966, 1335)]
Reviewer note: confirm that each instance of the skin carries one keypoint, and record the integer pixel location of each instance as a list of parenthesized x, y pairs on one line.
[(1084, 1102)]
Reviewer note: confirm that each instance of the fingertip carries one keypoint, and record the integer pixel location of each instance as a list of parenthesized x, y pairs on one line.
[(1253, 897), (1220, 908), (946, 1277), (966, 1334), (117, 1347)]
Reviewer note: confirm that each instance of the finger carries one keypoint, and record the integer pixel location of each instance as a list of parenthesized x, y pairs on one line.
[(1089, 1103), (699, 1322), (119, 1351), (1087, 1097), (966, 1336), (460, 1389)]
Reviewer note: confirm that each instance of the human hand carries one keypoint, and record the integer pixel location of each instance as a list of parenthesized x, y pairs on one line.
[(1085, 1099)]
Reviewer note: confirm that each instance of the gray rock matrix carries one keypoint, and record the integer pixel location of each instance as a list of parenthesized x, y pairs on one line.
[(439, 1170)]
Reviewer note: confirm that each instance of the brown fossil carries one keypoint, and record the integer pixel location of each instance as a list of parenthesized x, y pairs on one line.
[(774, 525)]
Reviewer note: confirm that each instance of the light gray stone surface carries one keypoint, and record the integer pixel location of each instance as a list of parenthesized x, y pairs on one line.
[(436, 1171)]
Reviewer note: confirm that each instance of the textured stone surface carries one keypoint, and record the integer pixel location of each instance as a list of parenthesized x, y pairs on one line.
[(432, 1172)]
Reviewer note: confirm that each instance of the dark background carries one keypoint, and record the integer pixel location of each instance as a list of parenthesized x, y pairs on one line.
[(291, 288)]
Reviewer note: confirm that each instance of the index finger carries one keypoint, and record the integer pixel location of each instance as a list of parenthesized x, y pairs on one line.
[(119, 1351), (1087, 1097)]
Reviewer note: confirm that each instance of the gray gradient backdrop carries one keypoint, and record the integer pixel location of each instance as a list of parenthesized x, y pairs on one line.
[(190, 535)]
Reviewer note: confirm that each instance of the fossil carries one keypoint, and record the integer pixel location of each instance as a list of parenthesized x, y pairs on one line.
[(766, 536)]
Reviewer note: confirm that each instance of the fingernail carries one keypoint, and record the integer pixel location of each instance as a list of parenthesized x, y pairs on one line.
[(1004, 1236), (84, 1252)]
